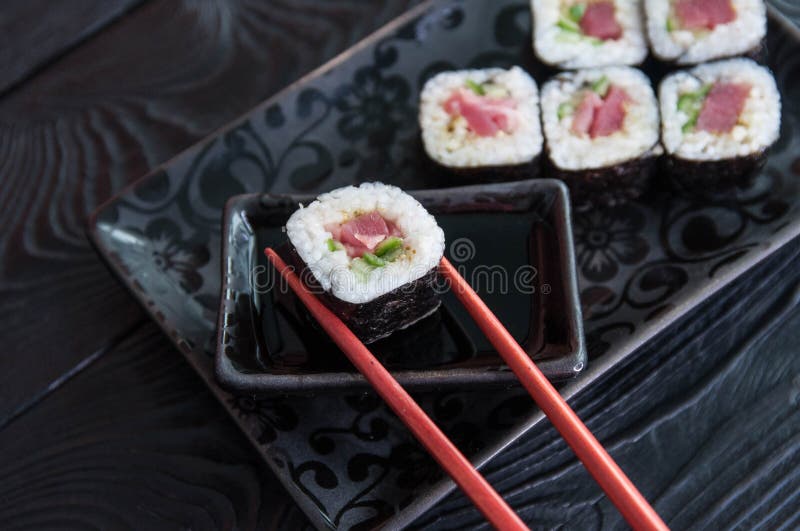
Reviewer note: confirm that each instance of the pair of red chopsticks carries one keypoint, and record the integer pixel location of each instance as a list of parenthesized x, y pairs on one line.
[(617, 486)]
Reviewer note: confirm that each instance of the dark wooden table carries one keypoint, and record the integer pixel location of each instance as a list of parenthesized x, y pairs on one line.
[(102, 423)]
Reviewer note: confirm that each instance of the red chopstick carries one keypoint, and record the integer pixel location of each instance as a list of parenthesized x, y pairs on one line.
[(620, 490), (485, 498)]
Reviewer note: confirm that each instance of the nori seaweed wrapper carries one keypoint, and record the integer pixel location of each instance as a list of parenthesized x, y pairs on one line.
[(608, 186), (685, 175), (380, 317), (417, 347), (492, 174)]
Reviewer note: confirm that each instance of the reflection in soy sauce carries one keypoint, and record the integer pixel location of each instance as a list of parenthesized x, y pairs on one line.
[(310, 350)]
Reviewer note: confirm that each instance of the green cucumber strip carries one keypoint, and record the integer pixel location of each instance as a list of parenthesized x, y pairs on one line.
[(696, 96), (568, 37), (671, 26), (333, 245), (576, 12), (601, 86), (691, 104), (694, 114), (392, 255), (687, 102), (373, 260), (565, 109), (475, 87), (494, 91), (389, 244), (568, 25)]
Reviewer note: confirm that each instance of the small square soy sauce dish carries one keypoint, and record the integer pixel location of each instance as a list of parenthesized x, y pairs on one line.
[(511, 241)]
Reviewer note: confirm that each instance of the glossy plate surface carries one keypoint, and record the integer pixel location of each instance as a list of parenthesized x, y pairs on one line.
[(268, 343), (345, 458)]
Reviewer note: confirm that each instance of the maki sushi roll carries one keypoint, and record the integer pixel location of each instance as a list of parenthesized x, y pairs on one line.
[(482, 124), (718, 122), (374, 252), (588, 33), (695, 31), (601, 131)]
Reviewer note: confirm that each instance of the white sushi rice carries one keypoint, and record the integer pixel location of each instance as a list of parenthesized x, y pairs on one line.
[(423, 239), (559, 48), (759, 124), (450, 142), (640, 130), (689, 47)]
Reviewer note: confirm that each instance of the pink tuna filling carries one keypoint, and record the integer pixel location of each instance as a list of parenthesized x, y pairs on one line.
[(599, 21), (600, 117), (485, 116), (363, 233), (722, 107), (704, 14), (584, 114)]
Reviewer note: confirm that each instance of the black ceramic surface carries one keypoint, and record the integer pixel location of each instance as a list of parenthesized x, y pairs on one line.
[(268, 343), (346, 460)]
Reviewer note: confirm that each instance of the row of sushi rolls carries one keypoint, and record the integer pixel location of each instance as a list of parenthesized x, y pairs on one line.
[(600, 124), (604, 131)]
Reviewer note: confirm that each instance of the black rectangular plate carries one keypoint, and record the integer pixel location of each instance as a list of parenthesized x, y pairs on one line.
[(345, 459), (266, 343)]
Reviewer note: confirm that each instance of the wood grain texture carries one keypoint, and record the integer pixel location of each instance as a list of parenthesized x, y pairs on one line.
[(32, 33), (706, 424), (104, 114), (135, 442), (126, 99)]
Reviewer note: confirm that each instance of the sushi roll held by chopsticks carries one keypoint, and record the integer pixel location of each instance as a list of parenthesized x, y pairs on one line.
[(718, 122), (374, 251), (482, 125), (601, 130), (695, 31), (588, 33)]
